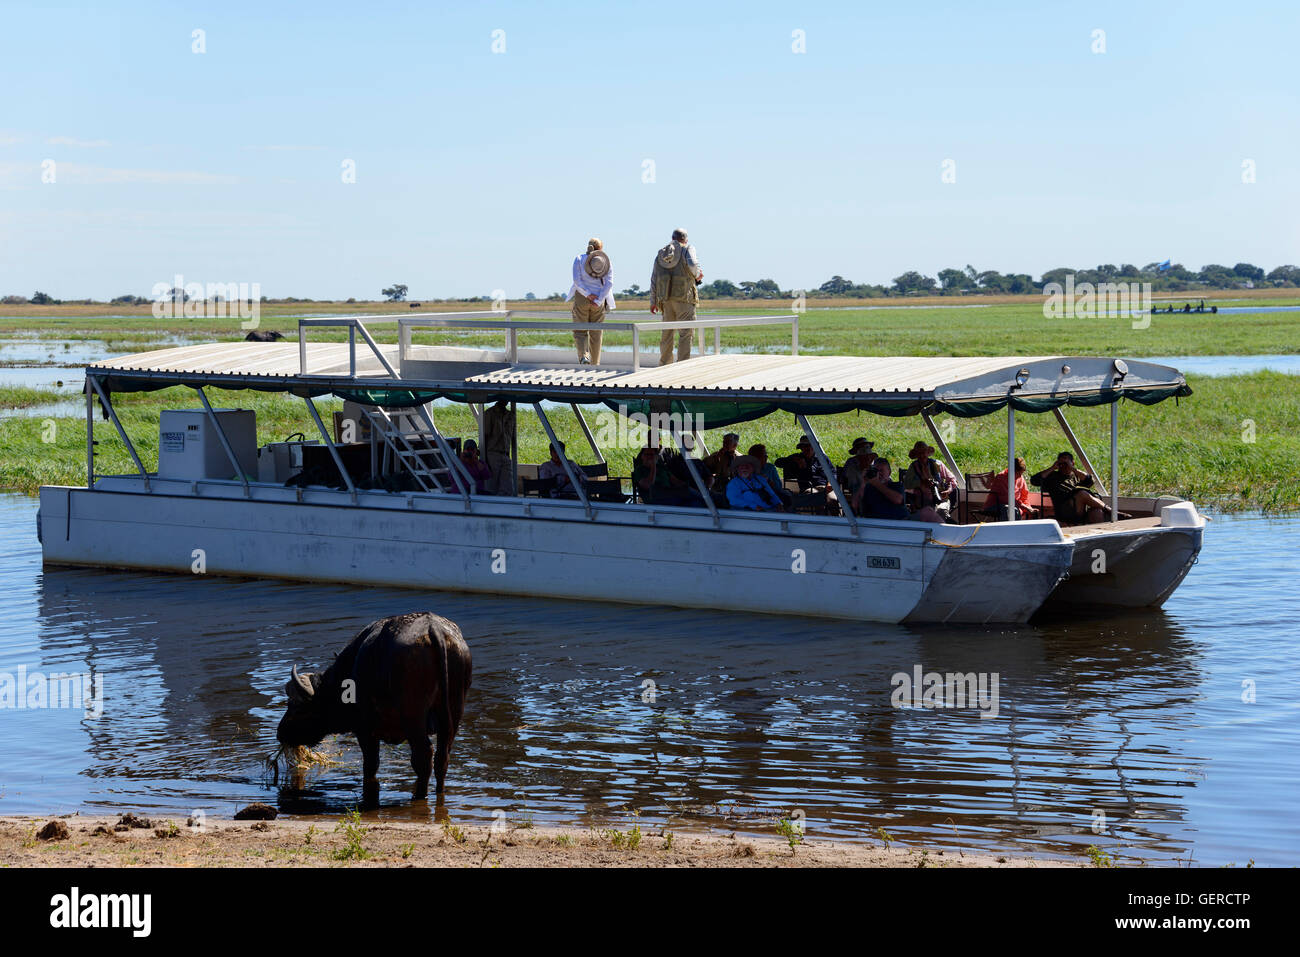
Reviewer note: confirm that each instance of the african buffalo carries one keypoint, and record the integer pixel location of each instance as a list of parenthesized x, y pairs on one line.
[(263, 336), (400, 678)]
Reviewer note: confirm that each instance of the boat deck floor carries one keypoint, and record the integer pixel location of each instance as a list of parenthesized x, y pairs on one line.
[(1125, 525)]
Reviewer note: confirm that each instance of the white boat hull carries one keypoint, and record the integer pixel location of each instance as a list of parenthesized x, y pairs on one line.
[(802, 565), (1120, 568)]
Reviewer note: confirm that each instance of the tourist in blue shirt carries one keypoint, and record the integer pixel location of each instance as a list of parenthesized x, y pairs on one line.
[(747, 490)]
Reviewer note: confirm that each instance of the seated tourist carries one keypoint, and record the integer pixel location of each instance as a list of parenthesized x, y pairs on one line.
[(555, 469), (932, 485), (1072, 502), (879, 496), (804, 468), (476, 468), (858, 468), (997, 497), (748, 490), (767, 471), (657, 485), (720, 462)]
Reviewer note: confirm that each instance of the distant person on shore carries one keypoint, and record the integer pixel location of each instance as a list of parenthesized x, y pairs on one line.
[(498, 437), (592, 293), (673, 281), (998, 493)]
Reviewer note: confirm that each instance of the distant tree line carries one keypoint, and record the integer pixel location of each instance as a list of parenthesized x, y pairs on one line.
[(970, 281), (950, 282)]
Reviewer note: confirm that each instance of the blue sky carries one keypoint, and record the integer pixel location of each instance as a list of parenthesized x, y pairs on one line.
[(478, 170)]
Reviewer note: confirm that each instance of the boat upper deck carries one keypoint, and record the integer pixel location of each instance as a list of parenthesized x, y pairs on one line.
[(411, 371)]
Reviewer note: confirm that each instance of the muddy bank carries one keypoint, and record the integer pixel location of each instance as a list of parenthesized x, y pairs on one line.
[(137, 841)]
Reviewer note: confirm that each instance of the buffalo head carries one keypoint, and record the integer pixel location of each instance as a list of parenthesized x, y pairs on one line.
[(306, 720)]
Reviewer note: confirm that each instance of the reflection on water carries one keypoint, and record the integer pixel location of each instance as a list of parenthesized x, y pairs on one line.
[(1135, 724)]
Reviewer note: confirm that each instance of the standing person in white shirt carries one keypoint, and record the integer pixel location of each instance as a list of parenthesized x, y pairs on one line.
[(592, 293)]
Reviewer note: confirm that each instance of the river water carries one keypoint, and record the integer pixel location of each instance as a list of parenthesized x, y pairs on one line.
[(1129, 733)]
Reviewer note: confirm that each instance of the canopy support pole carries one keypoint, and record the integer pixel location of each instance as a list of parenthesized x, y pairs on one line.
[(225, 442), (90, 439), (845, 506), (586, 430), (943, 446), (1011, 461), (126, 440), (1078, 449), (1114, 460), (329, 443), (514, 451), (699, 480), (564, 459)]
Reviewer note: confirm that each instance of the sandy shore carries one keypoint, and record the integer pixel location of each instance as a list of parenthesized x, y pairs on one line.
[(171, 842)]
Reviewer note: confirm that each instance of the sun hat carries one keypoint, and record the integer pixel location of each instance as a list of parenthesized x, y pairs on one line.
[(669, 256), (861, 446), (916, 450), (743, 460), (597, 264)]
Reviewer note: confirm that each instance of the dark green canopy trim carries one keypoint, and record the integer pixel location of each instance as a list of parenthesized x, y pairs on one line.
[(971, 410), (390, 398)]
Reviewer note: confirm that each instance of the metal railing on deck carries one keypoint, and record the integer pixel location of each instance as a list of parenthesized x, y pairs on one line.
[(502, 321)]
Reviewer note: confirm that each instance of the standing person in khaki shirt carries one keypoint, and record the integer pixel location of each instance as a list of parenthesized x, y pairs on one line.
[(673, 279)]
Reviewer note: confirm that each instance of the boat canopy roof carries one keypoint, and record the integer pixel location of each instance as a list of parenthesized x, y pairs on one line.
[(723, 388)]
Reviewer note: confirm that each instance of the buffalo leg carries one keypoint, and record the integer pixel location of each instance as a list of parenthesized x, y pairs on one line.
[(445, 735), (421, 762), (369, 770)]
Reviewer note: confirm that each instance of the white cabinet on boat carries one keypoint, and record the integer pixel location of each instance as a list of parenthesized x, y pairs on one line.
[(189, 447), (277, 461)]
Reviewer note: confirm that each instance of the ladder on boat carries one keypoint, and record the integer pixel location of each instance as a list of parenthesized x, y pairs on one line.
[(412, 446)]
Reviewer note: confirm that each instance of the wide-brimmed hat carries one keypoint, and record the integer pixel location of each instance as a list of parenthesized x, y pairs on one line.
[(669, 255), (803, 443), (597, 264), (861, 446), (918, 448), (740, 460)]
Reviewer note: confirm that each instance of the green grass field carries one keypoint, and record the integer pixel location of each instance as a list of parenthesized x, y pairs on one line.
[(1017, 328)]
